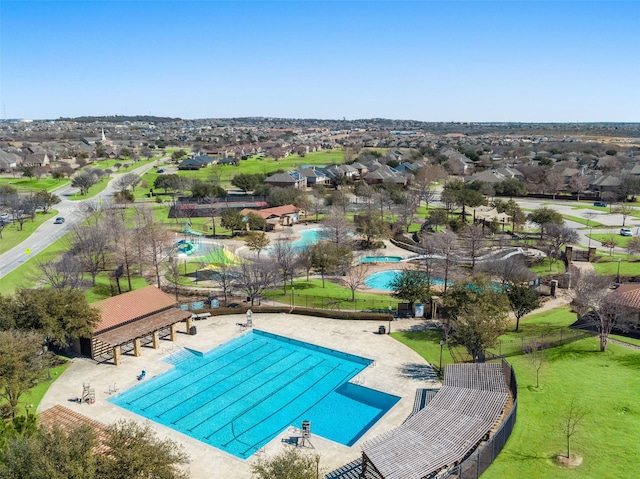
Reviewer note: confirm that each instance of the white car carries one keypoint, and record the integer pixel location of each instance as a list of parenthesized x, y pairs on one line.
[(4, 216), (626, 232)]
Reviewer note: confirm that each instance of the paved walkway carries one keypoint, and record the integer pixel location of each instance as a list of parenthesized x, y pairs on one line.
[(398, 370)]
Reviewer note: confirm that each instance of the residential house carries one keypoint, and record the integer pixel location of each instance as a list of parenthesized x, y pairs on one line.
[(9, 160), (605, 183), (292, 179), (314, 176), (196, 162), (386, 174), (277, 217)]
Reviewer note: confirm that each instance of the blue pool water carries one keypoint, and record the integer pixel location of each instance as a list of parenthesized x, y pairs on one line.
[(239, 396), (380, 259), (308, 237), (382, 279)]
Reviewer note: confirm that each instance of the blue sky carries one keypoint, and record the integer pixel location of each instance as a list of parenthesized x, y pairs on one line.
[(539, 61)]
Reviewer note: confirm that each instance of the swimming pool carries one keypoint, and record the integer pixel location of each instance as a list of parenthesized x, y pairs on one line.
[(381, 280), (240, 395), (380, 259), (308, 237)]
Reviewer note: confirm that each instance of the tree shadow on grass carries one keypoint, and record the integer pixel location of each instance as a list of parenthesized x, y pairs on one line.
[(422, 372), (629, 360), (569, 352), (526, 456)]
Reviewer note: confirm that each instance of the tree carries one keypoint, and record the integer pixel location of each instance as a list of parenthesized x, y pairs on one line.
[(633, 246), (339, 200), (84, 181), (170, 183), (232, 220), (90, 247), (578, 184), (178, 154), (355, 277), (370, 226), (247, 182), (554, 182), (436, 218), (323, 257), (509, 271), (285, 258), (158, 246), (594, 300), (625, 209), (254, 278), (610, 242), (462, 195), (59, 316), (473, 242), (557, 237), (336, 228), (545, 216), (257, 241), (61, 273), (28, 172), (22, 365), (535, 352), (255, 221), (410, 285), (291, 463), (123, 240), (523, 300), (444, 247), (478, 314), (317, 201), (572, 418), (202, 190), (518, 217), (46, 200), (126, 181)]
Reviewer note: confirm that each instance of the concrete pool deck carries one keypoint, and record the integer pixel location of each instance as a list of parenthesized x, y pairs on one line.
[(397, 370)]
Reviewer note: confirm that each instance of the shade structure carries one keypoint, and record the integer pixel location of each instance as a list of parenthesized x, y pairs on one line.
[(220, 257)]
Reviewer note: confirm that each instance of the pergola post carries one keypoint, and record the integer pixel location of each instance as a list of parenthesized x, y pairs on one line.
[(189, 322), (136, 347), (156, 340), (174, 334), (117, 355)]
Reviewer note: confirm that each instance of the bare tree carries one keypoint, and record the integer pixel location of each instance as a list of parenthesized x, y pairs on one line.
[(317, 201), (473, 242), (158, 247), (336, 228), (578, 184), (509, 271), (554, 182), (224, 277), (90, 247), (625, 209), (444, 246), (356, 274), (254, 278), (535, 352), (593, 299), (284, 257), (61, 274), (304, 258), (125, 252), (84, 180), (126, 181), (557, 237), (572, 418), (408, 210)]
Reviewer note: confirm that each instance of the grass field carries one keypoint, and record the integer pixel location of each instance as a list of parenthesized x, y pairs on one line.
[(544, 269), (131, 165), (25, 185), (312, 294), (36, 394), (93, 191), (11, 237), (622, 240), (607, 384), (583, 221), (608, 265)]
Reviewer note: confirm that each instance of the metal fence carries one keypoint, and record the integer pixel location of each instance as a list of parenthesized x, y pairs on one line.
[(516, 347), (335, 303), (483, 457)]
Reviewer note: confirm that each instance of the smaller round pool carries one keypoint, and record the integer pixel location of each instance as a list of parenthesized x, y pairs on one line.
[(381, 280), (380, 259)]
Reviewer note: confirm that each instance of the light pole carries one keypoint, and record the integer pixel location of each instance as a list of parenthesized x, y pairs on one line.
[(618, 275), (317, 466), (293, 301), (440, 365)]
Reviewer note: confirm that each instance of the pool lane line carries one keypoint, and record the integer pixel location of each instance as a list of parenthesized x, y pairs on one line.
[(284, 371), (213, 398), (293, 400), (201, 391), (184, 376), (264, 398)]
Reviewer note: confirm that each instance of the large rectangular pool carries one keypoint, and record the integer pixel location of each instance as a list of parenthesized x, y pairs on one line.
[(240, 395)]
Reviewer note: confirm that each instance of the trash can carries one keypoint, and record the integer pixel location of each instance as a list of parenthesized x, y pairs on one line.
[(193, 330), (382, 330)]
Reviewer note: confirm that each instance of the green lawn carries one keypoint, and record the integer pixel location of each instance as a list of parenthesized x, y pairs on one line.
[(24, 185), (36, 394), (11, 237), (105, 164), (625, 339), (622, 240), (606, 383), (591, 207), (27, 275), (311, 293), (584, 221), (105, 285), (93, 191), (543, 269), (608, 265)]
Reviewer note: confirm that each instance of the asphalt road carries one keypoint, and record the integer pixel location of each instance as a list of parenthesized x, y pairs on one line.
[(48, 233)]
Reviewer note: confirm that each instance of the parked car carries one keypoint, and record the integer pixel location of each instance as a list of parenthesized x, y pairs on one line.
[(59, 220), (626, 232), (4, 216), (160, 170), (599, 203)]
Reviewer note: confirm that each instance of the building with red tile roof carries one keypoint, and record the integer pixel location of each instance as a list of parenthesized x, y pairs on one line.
[(133, 319)]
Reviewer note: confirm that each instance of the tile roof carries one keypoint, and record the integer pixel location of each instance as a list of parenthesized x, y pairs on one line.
[(628, 295), (66, 419), (134, 304)]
